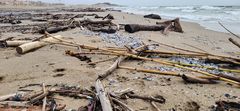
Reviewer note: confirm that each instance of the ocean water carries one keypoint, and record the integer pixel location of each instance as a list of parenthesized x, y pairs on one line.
[(207, 16)]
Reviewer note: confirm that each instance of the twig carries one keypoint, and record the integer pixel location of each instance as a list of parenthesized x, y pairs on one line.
[(228, 30), (155, 106), (195, 47), (45, 98), (94, 63), (150, 71), (112, 68), (160, 99), (122, 104)]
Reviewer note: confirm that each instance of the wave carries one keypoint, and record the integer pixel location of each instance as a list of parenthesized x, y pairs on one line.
[(210, 7), (195, 13), (180, 8)]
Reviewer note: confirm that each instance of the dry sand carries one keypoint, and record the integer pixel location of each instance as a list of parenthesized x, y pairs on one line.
[(38, 66)]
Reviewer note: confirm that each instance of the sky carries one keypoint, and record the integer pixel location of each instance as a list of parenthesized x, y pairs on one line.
[(153, 2)]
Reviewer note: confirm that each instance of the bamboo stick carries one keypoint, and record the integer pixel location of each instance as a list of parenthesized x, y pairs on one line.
[(191, 79), (211, 68), (158, 61), (150, 71), (93, 63), (174, 47), (195, 47), (197, 51), (173, 53)]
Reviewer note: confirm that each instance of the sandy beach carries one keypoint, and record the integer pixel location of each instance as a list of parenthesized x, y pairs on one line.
[(39, 66)]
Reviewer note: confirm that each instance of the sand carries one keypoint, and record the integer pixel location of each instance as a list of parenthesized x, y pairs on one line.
[(38, 67)]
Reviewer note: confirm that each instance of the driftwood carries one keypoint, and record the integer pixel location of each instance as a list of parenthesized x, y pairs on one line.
[(172, 25), (45, 98), (122, 104), (155, 106), (109, 16), (103, 96), (153, 16), (230, 77), (16, 43), (234, 42), (34, 45), (5, 97), (69, 43), (15, 104), (91, 22), (43, 95), (105, 30), (189, 79), (100, 26), (112, 68), (131, 28), (158, 98), (39, 20), (56, 29), (227, 106)]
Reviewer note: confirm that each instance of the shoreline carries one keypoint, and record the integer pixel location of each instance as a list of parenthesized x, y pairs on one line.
[(211, 25)]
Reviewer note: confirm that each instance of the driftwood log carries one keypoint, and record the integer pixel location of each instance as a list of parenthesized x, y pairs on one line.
[(56, 29), (105, 26), (103, 96), (172, 25), (153, 16), (16, 43), (37, 44), (131, 28), (109, 16)]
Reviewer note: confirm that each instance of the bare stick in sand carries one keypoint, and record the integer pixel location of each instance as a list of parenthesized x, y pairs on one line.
[(234, 42), (228, 30)]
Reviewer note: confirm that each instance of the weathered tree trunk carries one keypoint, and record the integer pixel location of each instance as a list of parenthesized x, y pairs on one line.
[(173, 25), (55, 29), (34, 45), (102, 95), (131, 28), (88, 21), (39, 20), (234, 42), (108, 30)]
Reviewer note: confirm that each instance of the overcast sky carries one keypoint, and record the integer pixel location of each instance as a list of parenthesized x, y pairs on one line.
[(153, 2)]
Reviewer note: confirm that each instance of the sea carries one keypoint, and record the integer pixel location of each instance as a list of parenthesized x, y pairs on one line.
[(206, 16)]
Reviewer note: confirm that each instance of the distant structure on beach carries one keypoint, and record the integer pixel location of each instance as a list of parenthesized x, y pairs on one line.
[(26, 2)]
